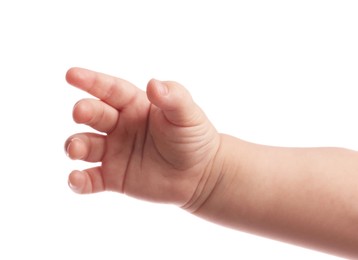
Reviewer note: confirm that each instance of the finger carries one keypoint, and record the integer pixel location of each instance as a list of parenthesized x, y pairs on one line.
[(114, 91), (87, 181), (175, 101), (86, 146), (95, 114)]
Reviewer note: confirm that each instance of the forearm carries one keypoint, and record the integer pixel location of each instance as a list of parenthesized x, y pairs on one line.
[(305, 196)]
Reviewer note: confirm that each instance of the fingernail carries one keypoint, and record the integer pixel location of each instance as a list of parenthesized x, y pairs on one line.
[(69, 147), (162, 88), (73, 187)]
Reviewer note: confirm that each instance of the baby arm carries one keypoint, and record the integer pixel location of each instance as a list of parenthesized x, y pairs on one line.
[(303, 196), (158, 145)]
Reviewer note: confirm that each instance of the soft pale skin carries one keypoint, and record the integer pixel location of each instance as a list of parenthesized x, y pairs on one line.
[(159, 146)]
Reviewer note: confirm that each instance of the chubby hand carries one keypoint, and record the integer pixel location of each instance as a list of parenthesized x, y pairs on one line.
[(156, 145)]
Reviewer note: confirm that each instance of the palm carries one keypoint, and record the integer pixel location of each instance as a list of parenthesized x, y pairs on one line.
[(147, 152)]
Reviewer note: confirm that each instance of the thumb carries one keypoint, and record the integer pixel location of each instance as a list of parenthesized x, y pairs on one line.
[(175, 102)]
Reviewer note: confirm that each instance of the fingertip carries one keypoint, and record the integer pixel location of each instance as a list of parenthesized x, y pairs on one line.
[(174, 100), (86, 181), (75, 149), (77, 181), (82, 112), (161, 93), (69, 74), (156, 90), (75, 75), (160, 87)]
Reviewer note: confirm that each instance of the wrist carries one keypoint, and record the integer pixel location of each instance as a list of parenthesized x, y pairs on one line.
[(217, 175)]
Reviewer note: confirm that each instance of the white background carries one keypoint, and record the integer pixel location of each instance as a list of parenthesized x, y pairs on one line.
[(272, 72)]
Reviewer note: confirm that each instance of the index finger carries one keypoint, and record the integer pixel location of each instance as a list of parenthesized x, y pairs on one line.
[(116, 92)]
